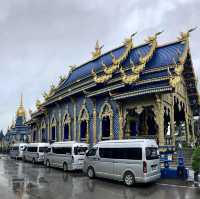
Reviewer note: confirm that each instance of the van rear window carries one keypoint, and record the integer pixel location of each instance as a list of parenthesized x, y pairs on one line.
[(80, 150), (152, 153), (121, 153)]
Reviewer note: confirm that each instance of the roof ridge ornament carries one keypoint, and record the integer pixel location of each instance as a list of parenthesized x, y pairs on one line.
[(184, 36), (97, 52), (109, 70), (136, 70)]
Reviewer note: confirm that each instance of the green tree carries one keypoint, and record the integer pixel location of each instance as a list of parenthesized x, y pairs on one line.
[(196, 162)]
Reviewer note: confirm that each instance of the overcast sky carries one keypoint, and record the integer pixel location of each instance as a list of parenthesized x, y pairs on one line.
[(39, 39)]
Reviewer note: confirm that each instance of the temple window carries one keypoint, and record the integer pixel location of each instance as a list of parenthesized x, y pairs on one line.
[(66, 128), (43, 132), (53, 130), (83, 124), (106, 119), (34, 136)]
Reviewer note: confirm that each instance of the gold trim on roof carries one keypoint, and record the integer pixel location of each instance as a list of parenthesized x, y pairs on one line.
[(136, 70), (100, 79), (109, 70), (178, 68)]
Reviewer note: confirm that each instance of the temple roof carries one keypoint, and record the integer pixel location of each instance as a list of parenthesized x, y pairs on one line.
[(163, 56), (132, 71)]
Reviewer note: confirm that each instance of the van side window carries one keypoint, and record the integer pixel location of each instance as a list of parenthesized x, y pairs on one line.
[(32, 149), (121, 153), (43, 149), (62, 150), (91, 152)]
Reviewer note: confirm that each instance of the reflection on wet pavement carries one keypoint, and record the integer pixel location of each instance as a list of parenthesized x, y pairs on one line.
[(26, 181)]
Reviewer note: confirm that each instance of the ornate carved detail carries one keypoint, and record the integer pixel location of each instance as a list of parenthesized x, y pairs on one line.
[(97, 51), (136, 70), (38, 104), (100, 79), (109, 70)]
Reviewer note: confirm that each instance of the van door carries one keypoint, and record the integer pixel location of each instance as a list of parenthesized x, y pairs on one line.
[(105, 163)]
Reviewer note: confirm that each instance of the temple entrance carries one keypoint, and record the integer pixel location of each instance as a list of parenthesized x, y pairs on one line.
[(179, 121), (83, 129), (167, 127), (66, 131), (140, 122), (106, 126)]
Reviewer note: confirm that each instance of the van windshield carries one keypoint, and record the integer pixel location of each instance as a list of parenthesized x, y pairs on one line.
[(80, 150), (152, 153)]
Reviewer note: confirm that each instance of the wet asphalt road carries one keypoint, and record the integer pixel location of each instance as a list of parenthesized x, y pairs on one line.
[(26, 181)]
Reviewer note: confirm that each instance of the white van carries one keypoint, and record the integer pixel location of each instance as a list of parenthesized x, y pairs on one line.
[(16, 150), (66, 155), (131, 161), (35, 152)]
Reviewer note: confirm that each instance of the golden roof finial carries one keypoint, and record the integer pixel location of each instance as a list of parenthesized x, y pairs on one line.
[(185, 35), (38, 104), (21, 111), (97, 51)]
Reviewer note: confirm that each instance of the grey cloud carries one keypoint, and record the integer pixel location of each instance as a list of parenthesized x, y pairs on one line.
[(40, 39)]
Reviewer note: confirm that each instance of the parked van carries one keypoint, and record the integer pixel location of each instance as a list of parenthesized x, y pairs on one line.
[(130, 161), (16, 150), (66, 155), (35, 152)]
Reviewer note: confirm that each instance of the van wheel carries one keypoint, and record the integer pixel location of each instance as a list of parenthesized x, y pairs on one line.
[(65, 167), (47, 163), (129, 179), (33, 160), (90, 172)]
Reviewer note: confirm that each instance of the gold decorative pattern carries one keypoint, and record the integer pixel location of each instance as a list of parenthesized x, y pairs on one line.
[(100, 79), (136, 70), (109, 70), (178, 68), (21, 111), (38, 104), (97, 51)]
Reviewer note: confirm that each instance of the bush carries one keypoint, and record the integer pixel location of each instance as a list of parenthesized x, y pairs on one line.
[(196, 159)]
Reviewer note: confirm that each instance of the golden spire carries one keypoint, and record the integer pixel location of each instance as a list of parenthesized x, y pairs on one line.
[(21, 111)]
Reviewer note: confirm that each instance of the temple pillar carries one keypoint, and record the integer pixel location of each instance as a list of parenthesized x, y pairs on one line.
[(172, 123), (74, 105), (94, 122), (120, 113), (59, 125), (159, 110)]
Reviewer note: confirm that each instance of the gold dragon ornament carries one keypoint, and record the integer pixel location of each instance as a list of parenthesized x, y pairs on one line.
[(178, 68), (136, 70)]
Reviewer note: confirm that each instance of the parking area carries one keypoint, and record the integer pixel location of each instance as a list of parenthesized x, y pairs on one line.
[(27, 181)]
